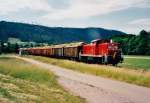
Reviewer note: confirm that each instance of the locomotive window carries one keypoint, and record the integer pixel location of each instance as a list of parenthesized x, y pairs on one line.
[(112, 47)]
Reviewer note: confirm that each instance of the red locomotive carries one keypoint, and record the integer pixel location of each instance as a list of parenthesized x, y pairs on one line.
[(98, 51), (102, 51)]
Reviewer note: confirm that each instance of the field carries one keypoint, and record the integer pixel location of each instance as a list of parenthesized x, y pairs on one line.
[(135, 74), (22, 82), (137, 62)]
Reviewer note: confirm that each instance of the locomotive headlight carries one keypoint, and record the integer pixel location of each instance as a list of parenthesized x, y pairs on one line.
[(109, 47)]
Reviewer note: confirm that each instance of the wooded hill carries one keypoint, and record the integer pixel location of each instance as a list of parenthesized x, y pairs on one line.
[(52, 35)]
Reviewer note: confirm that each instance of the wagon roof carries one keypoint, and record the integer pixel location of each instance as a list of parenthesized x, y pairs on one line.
[(75, 44), (68, 45)]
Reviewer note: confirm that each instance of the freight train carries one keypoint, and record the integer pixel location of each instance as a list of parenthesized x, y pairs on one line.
[(98, 51)]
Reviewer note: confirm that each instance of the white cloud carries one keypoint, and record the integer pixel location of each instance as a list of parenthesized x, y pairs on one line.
[(88, 8), (141, 22), (137, 25), (7, 6), (76, 8), (76, 13)]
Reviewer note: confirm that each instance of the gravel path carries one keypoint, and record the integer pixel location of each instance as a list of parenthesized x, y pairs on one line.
[(96, 89)]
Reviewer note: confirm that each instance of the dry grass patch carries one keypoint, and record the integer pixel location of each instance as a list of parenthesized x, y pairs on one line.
[(138, 77), (22, 82)]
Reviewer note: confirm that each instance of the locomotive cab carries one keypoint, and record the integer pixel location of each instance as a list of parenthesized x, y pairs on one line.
[(109, 51)]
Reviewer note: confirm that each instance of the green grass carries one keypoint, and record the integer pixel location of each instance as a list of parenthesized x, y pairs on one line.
[(138, 56), (138, 77), (22, 82), (136, 63)]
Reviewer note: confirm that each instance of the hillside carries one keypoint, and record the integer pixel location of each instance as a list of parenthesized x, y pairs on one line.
[(36, 33)]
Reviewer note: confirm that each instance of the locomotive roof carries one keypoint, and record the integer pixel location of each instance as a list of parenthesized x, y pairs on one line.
[(101, 41)]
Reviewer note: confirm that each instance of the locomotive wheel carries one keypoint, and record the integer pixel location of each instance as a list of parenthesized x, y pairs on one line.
[(83, 59), (99, 60), (114, 63), (116, 59)]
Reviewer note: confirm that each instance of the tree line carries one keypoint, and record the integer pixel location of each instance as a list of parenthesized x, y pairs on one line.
[(7, 47), (134, 44)]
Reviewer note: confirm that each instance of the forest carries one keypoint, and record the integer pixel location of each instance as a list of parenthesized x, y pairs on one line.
[(134, 44)]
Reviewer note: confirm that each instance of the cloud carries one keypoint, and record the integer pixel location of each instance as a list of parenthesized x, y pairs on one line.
[(141, 22), (70, 9), (75, 13), (9, 6), (88, 8), (137, 25)]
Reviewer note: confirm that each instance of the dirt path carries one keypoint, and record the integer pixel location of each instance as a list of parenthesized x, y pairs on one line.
[(96, 89)]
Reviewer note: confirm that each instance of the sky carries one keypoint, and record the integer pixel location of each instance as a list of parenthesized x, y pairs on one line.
[(130, 16)]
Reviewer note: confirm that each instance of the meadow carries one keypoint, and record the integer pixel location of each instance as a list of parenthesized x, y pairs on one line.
[(22, 82), (136, 62), (134, 74)]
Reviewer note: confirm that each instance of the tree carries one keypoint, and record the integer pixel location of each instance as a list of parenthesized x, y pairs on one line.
[(0, 47), (16, 48), (143, 45), (143, 34), (8, 47)]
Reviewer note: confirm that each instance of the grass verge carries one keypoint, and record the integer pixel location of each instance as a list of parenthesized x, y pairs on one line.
[(22, 82), (138, 77), (137, 63)]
